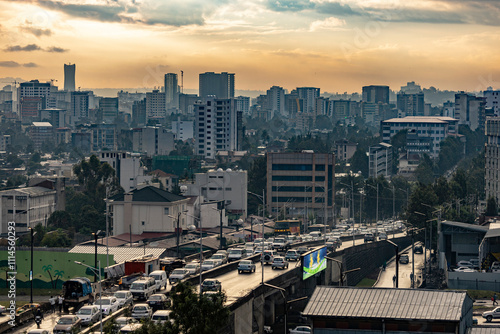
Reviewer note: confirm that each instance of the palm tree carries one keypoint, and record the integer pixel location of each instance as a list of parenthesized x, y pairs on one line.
[(58, 273), (48, 268)]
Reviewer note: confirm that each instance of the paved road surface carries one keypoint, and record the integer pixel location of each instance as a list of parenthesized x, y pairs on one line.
[(385, 279)]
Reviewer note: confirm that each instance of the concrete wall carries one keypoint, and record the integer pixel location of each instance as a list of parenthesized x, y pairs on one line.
[(474, 281)]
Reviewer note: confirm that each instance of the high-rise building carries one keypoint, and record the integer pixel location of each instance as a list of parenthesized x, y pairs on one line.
[(69, 77), (186, 103), (109, 108), (103, 137), (492, 100), (139, 112), (411, 104), (79, 106), (376, 94), (183, 130), (40, 133), (309, 96), (152, 140), (219, 84), (470, 110), (243, 104), (276, 100), (301, 183), (380, 160), (155, 105), (492, 156), (171, 92), (218, 127)]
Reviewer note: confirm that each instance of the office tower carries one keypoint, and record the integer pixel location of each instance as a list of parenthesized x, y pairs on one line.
[(276, 100), (218, 127), (380, 160), (171, 92), (301, 184), (152, 140), (103, 137), (69, 77), (243, 104), (376, 94), (33, 97), (411, 104), (109, 108), (139, 112), (492, 100), (79, 106), (221, 85), (470, 110), (155, 105), (309, 96)]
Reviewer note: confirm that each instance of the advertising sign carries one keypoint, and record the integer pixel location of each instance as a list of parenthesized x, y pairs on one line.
[(313, 262)]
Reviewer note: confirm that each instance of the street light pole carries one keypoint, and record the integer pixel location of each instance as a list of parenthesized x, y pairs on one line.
[(96, 235), (31, 271), (397, 261), (94, 269)]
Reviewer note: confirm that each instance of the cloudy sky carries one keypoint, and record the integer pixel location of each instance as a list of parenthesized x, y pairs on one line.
[(337, 45)]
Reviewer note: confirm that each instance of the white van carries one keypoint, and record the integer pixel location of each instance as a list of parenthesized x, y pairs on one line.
[(160, 277), (143, 288), (161, 316), (316, 235)]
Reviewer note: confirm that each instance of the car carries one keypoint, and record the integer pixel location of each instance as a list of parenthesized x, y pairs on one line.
[(161, 316), (302, 249), (280, 243), (418, 249), (464, 270), (141, 311), (209, 264), (467, 264), (369, 237), (39, 331), (158, 301), (490, 315), (279, 262), (67, 324), (2, 309), (123, 321), (246, 266), (178, 275), (26, 307), (292, 255), (89, 314), (382, 236), (404, 259), (301, 330), (221, 257), (124, 298), (211, 284), (193, 268), (235, 254), (475, 263), (130, 328), (268, 256), (108, 304)]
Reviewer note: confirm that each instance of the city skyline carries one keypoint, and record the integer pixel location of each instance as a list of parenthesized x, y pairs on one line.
[(338, 46)]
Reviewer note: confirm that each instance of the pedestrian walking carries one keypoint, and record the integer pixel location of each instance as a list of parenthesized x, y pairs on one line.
[(60, 302), (394, 280), (52, 301), (495, 297)]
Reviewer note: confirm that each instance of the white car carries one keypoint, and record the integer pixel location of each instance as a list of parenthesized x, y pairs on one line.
[(209, 264), (193, 268), (220, 257), (108, 304), (178, 275), (301, 330), (161, 316), (89, 314), (464, 270), (141, 311), (467, 264), (123, 321), (124, 298)]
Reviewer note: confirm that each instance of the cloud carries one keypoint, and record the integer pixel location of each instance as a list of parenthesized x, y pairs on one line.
[(289, 5), (56, 49), (331, 23), (38, 32), (27, 48), (30, 65), (9, 63)]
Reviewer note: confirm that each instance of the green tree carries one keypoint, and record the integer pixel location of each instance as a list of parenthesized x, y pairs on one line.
[(425, 171), (257, 178), (60, 219), (491, 207), (195, 314), (57, 238), (359, 162)]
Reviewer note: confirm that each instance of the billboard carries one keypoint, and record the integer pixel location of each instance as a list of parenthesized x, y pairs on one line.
[(313, 262)]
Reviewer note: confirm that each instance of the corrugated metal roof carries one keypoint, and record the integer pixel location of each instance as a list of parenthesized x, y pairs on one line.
[(120, 253), (483, 330), (149, 194), (473, 227), (386, 303)]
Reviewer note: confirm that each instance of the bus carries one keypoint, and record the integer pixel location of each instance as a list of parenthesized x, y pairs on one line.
[(287, 227)]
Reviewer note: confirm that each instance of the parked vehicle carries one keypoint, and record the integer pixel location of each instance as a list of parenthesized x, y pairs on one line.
[(124, 298), (404, 259), (246, 266), (279, 262), (193, 268), (88, 314), (158, 301), (468, 264), (67, 324), (178, 275), (464, 270), (108, 305), (120, 322), (161, 316), (160, 277), (301, 330), (211, 284), (490, 315), (475, 263), (143, 287), (292, 255), (141, 311)]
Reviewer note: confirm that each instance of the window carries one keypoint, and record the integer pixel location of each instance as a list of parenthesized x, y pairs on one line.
[(166, 211)]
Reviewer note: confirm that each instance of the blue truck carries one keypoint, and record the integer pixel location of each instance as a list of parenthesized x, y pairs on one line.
[(76, 292)]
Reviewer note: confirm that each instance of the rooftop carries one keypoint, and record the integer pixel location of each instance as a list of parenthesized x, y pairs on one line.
[(422, 119)]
